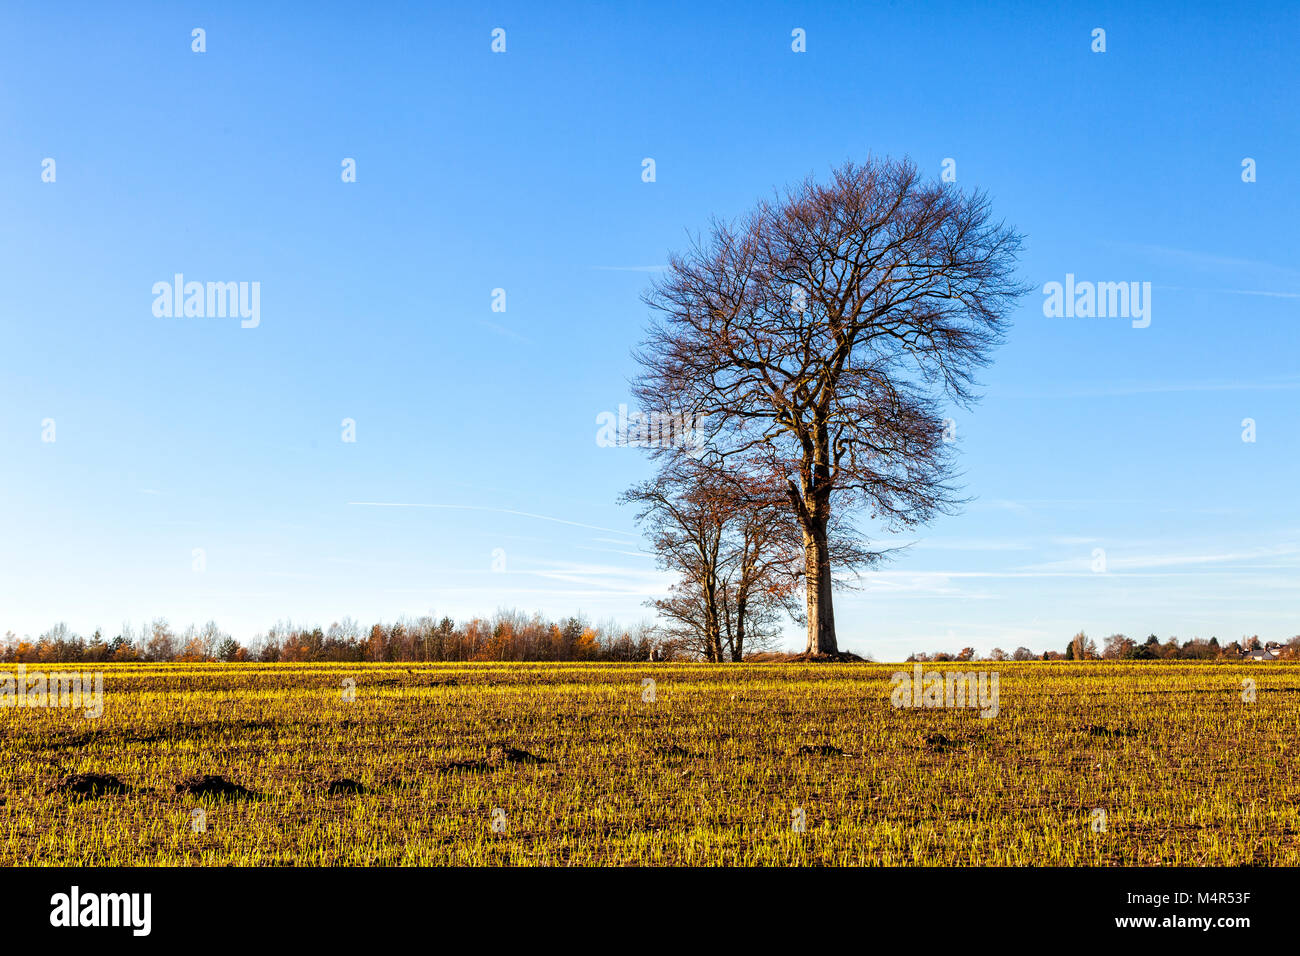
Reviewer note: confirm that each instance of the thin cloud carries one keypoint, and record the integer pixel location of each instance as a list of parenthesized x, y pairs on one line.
[(1143, 561), (583, 580), (504, 511), (938, 543), (1264, 292), (1026, 505), (1150, 388), (631, 554), (1276, 295), (1204, 260), (502, 330)]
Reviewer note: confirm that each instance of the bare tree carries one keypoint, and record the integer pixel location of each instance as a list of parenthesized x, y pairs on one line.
[(686, 527), (736, 555), (814, 341), (1116, 647), (161, 642), (761, 574)]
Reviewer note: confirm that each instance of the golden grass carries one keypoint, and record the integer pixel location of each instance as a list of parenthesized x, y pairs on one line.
[(708, 773)]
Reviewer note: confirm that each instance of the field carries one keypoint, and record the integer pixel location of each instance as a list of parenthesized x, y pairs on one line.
[(571, 764)]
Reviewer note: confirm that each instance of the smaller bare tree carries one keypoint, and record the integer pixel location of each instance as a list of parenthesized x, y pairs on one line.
[(727, 552), (738, 548)]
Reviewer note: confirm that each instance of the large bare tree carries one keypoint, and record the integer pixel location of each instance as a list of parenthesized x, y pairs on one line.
[(817, 340)]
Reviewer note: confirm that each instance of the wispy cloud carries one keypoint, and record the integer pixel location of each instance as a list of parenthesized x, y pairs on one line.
[(1115, 562), (1264, 292), (1147, 388), (630, 554), (504, 511), (644, 582), (503, 331), (574, 580), (938, 543), (1275, 295), (1203, 262), (1207, 260), (1026, 505)]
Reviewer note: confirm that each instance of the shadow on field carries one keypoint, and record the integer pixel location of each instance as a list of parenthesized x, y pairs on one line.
[(346, 786), (209, 785), (1111, 732), (90, 786), (822, 750), (498, 756)]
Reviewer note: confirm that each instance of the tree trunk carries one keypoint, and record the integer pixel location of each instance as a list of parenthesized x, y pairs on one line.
[(728, 628), (713, 637), (817, 567), (738, 648)]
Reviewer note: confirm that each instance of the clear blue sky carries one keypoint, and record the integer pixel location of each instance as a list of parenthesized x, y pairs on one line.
[(522, 171)]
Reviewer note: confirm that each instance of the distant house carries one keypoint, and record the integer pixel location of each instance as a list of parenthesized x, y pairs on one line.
[(1260, 655)]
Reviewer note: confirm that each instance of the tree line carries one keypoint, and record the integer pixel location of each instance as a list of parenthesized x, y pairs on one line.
[(506, 636), (513, 636), (1118, 647)]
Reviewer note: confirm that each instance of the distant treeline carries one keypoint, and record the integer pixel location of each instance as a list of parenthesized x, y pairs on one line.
[(513, 636), (1118, 647), (507, 636)]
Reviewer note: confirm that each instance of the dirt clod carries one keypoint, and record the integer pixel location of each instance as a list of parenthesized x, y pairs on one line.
[(498, 756), (822, 750), (209, 785), (90, 785), (1109, 732), (501, 755), (346, 785), (468, 766), (673, 751)]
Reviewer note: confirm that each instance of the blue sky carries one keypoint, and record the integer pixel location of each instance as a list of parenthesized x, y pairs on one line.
[(522, 171)]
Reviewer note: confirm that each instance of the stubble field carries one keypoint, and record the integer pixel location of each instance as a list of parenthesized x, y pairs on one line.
[(558, 764)]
